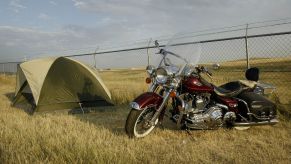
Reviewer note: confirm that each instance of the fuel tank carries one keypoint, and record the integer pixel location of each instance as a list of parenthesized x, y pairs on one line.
[(195, 84)]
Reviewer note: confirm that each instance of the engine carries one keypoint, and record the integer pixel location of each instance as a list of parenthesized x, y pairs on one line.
[(209, 119), (199, 113)]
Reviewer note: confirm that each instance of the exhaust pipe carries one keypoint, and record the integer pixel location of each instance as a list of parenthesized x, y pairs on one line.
[(270, 122)]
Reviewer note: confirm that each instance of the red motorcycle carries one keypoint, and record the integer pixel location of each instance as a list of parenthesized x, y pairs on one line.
[(196, 103)]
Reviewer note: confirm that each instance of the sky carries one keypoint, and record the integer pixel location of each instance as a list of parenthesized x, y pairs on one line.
[(35, 27)]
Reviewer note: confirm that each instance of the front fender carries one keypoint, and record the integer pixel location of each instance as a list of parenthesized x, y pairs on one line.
[(146, 99)]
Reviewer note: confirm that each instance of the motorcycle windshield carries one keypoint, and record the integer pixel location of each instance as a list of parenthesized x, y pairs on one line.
[(184, 52)]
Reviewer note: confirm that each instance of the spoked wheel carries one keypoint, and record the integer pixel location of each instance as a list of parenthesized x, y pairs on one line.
[(138, 122)]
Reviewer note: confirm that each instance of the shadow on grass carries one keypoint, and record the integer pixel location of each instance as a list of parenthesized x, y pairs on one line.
[(285, 110), (10, 96), (27, 108), (112, 118)]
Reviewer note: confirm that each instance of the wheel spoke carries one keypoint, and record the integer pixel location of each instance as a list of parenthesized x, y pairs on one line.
[(143, 125)]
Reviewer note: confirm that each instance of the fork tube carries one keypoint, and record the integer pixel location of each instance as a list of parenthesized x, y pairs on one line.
[(153, 87), (161, 107)]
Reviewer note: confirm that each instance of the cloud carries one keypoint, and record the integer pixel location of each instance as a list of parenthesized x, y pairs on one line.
[(118, 21), (175, 15), (26, 41), (79, 4), (16, 6), (44, 16), (53, 3), (71, 39)]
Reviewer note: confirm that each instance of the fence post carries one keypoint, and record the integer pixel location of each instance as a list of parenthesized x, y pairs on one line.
[(148, 51), (4, 69), (97, 48), (246, 44)]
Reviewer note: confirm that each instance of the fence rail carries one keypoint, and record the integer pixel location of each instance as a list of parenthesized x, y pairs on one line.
[(180, 44), (269, 51)]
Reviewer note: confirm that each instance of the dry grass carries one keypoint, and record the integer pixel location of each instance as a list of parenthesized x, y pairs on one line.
[(99, 137), (124, 85)]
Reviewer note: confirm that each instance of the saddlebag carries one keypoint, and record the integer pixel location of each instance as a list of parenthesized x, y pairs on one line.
[(259, 105)]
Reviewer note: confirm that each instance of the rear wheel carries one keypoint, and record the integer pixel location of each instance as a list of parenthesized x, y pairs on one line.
[(242, 128), (138, 122)]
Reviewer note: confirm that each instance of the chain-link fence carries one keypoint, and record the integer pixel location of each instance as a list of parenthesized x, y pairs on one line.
[(9, 67), (227, 52), (271, 53)]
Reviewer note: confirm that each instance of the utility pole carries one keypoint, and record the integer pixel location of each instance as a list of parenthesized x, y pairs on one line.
[(247, 51)]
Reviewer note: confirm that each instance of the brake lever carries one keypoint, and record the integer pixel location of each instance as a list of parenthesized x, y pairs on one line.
[(205, 70)]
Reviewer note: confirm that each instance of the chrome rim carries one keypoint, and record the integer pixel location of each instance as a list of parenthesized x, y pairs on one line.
[(142, 125)]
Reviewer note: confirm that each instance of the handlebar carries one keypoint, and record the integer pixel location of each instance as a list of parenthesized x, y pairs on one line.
[(204, 70), (165, 52)]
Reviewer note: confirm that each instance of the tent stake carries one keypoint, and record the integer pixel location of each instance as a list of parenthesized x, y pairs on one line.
[(81, 107)]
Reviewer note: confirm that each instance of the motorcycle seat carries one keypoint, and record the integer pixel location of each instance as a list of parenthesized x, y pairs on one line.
[(248, 83), (230, 89)]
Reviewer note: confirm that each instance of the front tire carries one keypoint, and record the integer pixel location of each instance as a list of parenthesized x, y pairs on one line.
[(137, 122)]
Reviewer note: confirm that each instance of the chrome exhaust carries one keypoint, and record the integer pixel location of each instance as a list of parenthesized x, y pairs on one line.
[(270, 122)]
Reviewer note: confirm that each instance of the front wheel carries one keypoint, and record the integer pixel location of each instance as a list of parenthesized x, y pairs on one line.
[(138, 122)]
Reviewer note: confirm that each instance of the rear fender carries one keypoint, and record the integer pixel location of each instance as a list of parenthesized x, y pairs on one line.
[(147, 99)]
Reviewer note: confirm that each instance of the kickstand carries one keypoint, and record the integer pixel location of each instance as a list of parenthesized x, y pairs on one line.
[(190, 134), (161, 125), (80, 104)]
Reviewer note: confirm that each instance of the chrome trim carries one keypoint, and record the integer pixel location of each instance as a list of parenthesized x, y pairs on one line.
[(229, 116), (162, 76), (182, 101), (222, 106), (262, 88), (246, 104), (150, 69), (153, 87), (257, 117), (243, 118), (270, 122), (155, 116), (134, 105)]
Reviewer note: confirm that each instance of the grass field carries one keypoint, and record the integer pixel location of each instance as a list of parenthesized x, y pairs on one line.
[(99, 137)]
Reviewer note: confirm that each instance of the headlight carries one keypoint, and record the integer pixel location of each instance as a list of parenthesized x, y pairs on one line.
[(162, 76)]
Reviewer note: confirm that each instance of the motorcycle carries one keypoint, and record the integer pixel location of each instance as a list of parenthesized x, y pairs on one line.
[(197, 103)]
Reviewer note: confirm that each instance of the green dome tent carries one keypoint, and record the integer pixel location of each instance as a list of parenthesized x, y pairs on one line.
[(59, 83)]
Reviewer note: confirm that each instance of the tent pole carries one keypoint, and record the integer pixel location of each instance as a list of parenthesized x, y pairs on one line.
[(80, 104)]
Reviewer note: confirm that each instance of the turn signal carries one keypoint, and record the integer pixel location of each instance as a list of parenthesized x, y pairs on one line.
[(148, 80), (173, 94)]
